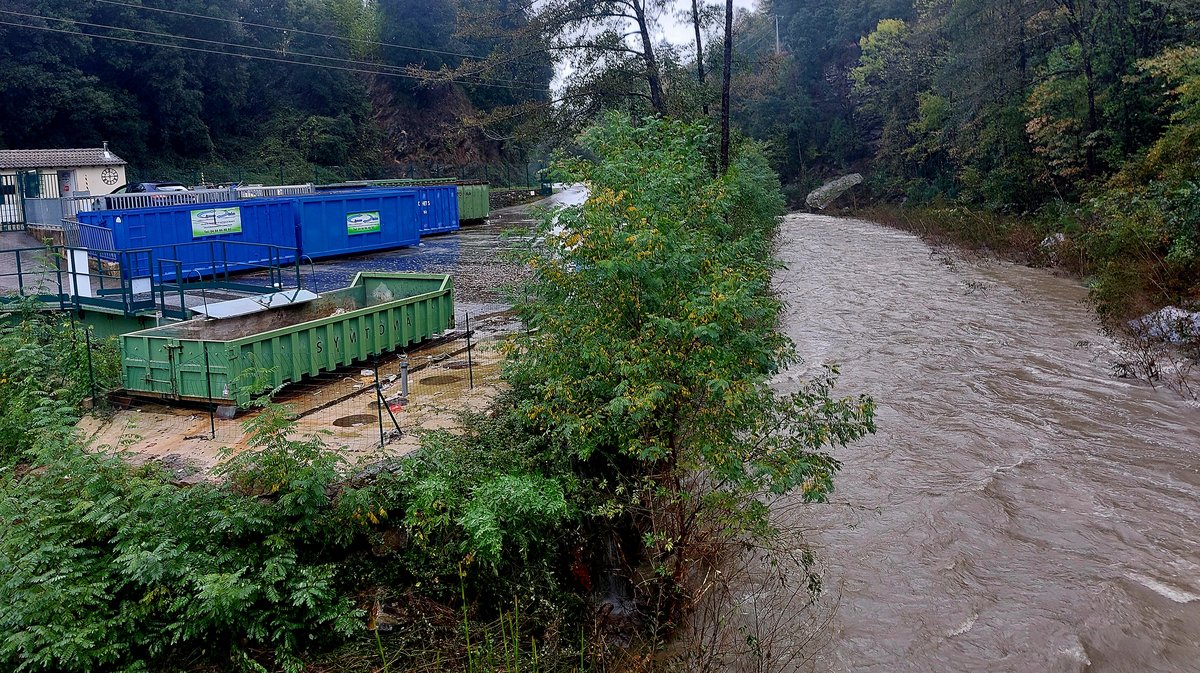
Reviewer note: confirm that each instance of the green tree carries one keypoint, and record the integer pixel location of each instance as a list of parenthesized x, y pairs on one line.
[(651, 347)]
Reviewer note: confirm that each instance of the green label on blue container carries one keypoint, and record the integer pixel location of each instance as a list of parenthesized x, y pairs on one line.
[(216, 221), (362, 223)]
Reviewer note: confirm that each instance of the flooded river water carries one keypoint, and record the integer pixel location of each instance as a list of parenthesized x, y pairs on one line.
[(1025, 510)]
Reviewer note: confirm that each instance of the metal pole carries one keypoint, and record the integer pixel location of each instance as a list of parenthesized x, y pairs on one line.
[(379, 401), (87, 336), (470, 365), (404, 381), (212, 420)]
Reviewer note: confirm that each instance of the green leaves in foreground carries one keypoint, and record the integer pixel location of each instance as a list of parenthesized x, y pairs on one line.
[(653, 319), (653, 341), (107, 566)]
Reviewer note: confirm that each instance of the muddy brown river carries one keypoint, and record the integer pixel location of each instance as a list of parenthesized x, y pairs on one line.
[(1019, 508)]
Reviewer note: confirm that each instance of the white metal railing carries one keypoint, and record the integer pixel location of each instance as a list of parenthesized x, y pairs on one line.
[(279, 190), (74, 204)]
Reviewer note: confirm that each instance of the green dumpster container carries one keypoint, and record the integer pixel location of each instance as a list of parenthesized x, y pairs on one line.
[(473, 201), (233, 359)]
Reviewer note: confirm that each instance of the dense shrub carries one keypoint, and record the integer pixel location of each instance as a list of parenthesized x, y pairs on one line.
[(44, 374), (653, 338)]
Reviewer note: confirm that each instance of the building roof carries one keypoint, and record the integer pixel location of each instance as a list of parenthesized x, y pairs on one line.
[(86, 156)]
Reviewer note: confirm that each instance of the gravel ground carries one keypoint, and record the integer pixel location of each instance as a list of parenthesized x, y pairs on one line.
[(474, 256)]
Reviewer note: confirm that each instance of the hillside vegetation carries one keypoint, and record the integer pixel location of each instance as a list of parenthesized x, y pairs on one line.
[(1079, 117), (248, 89)]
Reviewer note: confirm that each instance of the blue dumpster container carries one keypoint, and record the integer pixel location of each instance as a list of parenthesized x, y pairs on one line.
[(210, 238), (437, 208), (205, 238), (351, 222)]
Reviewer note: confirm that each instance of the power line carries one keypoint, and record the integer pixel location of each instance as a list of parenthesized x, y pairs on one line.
[(194, 39), (246, 56), (291, 30), (78, 22)]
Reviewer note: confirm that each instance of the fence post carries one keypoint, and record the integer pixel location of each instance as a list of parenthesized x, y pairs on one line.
[(212, 408), (470, 365), (87, 336), (404, 381), (379, 401)]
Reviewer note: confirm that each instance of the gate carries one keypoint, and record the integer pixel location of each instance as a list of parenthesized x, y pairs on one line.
[(14, 189), (12, 211)]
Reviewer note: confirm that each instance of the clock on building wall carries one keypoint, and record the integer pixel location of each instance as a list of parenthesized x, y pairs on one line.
[(109, 176)]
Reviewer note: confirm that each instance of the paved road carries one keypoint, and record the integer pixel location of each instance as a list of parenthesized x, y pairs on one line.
[(31, 261)]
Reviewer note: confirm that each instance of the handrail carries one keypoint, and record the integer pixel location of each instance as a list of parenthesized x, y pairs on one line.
[(149, 263)]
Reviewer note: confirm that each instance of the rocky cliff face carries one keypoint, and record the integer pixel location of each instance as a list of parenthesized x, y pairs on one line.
[(431, 126)]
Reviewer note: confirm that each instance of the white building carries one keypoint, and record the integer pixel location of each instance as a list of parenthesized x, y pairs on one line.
[(90, 169), (45, 174)]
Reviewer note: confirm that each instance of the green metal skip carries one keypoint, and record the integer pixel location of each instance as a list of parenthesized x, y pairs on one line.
[(234, 359)]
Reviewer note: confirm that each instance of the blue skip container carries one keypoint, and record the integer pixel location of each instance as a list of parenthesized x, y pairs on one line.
[(353, 222), (200, 240), (437, 208)]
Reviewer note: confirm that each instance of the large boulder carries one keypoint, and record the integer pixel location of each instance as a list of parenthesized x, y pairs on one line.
[(822, 196), (1170, 323)]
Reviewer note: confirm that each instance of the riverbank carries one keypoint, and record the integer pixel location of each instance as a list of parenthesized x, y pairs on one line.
[(1020, 240), (1153, 321)]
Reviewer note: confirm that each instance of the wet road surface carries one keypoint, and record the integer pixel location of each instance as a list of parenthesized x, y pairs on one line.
[(474, 255)]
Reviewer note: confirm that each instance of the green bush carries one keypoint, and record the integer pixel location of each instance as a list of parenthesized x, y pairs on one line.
[(652, 341), (44, 375), (112, 567)]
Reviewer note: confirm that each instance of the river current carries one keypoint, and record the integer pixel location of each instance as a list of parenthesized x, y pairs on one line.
[(1019, 509)]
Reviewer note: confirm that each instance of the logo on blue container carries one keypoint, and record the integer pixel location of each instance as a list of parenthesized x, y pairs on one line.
[(215, 221), (362, 223)]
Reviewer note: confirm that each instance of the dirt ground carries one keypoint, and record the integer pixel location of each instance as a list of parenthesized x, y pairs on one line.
[(341, 407)]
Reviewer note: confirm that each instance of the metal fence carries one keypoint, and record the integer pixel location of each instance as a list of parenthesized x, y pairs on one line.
[(75, 204), (16, 189)]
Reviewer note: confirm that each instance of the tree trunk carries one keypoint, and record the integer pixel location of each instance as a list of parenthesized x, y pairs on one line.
[(725, 76), (699, 50), (652, 75), (1093, 118)]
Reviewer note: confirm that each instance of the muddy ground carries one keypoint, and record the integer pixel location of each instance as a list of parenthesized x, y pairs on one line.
[(342, 405)]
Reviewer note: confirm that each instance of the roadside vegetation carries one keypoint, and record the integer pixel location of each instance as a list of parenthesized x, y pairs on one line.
[(570, 527)]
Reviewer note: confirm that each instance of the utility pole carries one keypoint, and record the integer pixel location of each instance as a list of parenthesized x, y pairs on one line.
[(724, 165)]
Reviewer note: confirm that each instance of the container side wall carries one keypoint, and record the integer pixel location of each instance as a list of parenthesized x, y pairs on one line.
[(157, 363), (207, 238), (437, 209), (343, 223), (473, 202)]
